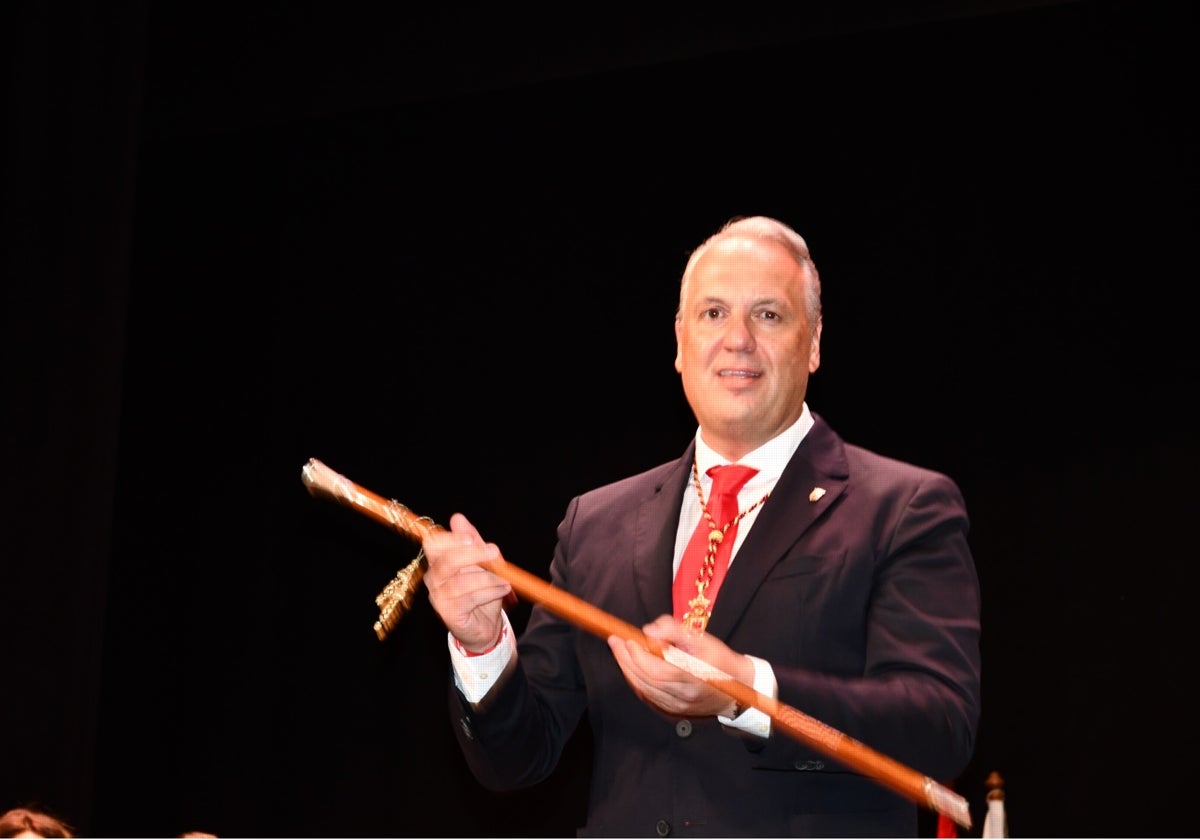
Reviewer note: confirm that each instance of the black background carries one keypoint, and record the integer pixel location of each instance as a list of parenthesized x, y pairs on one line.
[(439, 250)]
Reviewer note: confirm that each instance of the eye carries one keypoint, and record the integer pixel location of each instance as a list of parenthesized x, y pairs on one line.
[(769, 315), (711, 314)]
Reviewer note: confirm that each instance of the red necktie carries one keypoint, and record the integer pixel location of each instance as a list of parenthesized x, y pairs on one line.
[(716, 531)]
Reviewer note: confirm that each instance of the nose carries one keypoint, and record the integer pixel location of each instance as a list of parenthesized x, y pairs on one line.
[(739, 334)]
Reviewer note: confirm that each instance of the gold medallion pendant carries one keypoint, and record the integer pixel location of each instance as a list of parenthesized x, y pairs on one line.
[(699, 609)]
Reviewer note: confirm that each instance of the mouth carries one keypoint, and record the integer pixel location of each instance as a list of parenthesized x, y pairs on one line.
[(739, 373)]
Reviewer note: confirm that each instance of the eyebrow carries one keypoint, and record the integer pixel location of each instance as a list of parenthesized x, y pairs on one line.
[(778, 303)]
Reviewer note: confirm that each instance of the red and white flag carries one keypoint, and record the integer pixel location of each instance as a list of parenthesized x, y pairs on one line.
[(995, 823)]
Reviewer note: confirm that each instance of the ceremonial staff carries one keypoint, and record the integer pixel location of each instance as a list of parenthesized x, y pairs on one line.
[(395, 599)]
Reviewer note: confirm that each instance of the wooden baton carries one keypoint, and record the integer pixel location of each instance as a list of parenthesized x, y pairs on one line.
[(396, 598)]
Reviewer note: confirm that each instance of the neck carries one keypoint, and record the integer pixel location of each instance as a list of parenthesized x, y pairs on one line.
[(730, 449)]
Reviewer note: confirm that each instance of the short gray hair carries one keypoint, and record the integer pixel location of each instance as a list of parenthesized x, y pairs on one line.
[(764, 227)]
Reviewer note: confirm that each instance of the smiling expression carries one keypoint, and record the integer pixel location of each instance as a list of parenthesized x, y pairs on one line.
[(745, 345)]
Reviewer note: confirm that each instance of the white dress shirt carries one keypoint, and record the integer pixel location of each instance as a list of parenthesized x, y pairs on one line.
[(475, 675)]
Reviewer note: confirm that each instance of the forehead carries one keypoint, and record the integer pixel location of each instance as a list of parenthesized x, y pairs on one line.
[(749, 262)]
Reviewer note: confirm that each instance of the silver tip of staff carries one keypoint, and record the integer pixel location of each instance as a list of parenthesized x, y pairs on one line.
[(306, 472), (945, 801), (318, 478)]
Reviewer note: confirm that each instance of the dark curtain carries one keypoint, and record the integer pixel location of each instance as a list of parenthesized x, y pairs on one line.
[(238, 238), (74, 73)]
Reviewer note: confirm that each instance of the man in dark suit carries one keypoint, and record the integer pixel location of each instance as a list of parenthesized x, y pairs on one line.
[(836, 580)]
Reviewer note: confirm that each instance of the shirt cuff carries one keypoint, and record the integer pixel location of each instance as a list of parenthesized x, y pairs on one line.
[(475, 674), (752, 720)]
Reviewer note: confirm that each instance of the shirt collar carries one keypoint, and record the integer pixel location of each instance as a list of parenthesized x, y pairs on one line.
[(769, 459)]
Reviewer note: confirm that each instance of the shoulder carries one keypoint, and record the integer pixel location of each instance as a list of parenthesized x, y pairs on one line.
[(893, 481), (617, 506), (884, 472), (647, 482), (866, 460)]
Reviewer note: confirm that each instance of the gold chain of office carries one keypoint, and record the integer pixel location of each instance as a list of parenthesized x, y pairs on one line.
[(700, 607)]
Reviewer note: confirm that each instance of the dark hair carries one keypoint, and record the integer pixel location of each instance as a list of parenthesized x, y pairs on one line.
[(41, 823)]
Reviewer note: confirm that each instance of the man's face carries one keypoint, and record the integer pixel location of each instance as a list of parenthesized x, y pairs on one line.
[(745, 347)]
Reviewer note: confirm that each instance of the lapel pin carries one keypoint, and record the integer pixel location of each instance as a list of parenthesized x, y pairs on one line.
[(816, 494)]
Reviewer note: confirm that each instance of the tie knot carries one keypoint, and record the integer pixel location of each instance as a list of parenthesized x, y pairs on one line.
[(728, 479)]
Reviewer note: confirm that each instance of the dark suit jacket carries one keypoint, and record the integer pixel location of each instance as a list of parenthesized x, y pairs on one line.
[(865, 602)]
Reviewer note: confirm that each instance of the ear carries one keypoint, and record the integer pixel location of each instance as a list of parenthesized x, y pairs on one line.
[(678, 346), (814, 350)]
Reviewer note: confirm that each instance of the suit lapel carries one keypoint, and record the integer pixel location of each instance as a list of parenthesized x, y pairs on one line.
[(656, 523), (819, 462)]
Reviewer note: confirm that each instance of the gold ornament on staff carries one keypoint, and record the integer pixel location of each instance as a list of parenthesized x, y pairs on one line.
[(397, 597)]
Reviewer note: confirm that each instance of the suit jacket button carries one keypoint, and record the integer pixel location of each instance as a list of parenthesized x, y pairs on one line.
[(683, 729), (663, 828)]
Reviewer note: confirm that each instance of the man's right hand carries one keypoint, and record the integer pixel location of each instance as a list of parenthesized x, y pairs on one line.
[(467, 597)]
